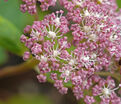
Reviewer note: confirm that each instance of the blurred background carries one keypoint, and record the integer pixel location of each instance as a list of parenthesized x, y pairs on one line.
[(22, 88)]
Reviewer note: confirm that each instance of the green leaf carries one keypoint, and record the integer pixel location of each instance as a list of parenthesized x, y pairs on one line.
[(119, 3), (10, 37), (11, 11), (11, 28), (3, 56)]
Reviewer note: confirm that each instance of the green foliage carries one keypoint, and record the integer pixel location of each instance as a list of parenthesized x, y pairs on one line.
[(119, 3), (28, 99), (3, 56), (10, 10), (10, 36), (12, 23)]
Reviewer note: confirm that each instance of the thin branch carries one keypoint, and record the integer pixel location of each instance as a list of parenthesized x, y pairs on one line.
[(14, 70), (114, 75)]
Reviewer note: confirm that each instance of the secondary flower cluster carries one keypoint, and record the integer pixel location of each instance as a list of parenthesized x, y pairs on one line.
[(71, 53), (30, 5)]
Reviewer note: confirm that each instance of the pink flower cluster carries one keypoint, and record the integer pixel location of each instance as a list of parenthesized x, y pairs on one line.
[(72, 52), (30, 5)]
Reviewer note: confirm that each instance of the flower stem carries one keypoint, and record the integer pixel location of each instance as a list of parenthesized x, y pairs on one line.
[(14, 70), (114, 75), (36, 16)]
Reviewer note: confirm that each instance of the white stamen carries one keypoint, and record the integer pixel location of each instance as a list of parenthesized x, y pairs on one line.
[(43, 58), (85, 82), (93, 37), (78, 2), (93, 56), (87, 28), (85, 58), (57, 21), (107, 91), (51, 34), (72, 62), (64, 43), (36, 33), (86, 13), (113, 37), (67, 72), (56, 53), (99, 27), (97, 15), (113, 49)]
